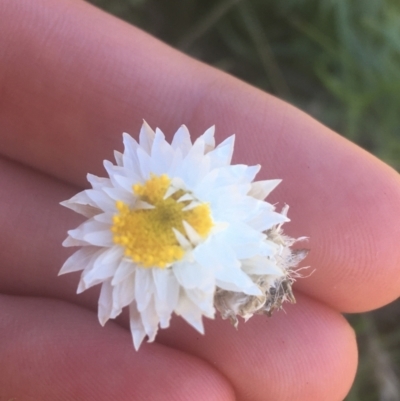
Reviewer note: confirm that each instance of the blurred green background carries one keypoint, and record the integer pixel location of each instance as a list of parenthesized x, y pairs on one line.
[(338, 60)]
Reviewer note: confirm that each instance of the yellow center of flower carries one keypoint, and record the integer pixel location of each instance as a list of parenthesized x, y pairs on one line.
[(147, 234)]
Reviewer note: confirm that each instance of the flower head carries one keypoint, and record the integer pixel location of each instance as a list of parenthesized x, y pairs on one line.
[(175, 228)]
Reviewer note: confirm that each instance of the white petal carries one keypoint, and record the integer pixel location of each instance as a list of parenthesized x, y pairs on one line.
[(175, 163), (266, 220), (85, 210), (194, 166), (130, 157), (185, 197), (69, 241), (115, 171), (261, 189), (105, 302), (250, 173), (120, 194), (145, 163), (78, 260), (136, 326), (119, 158), (124, 270), (195, 176), (100, 199), (88, 268), (165, 282), (166, 294), (183, 242), (190, 312), (146, 137), (112, 169), (261, 265), (93, 232), (104, 267), (222, 154), (161, 154), (191, 205), (209, 139), (218, 255), (229, 204), (238, 281), (163, 313), (105, 218), (181, 140), (127, 183), (203, 300), (193, 236), (150, 320), (244, 240), (100, 238), (123, 295), (224, 177), (143, 205), (193, 275), (229, 175), (178, 183), (170, 191), (143, 287), (82, 204), (211, 255), (98, 182)]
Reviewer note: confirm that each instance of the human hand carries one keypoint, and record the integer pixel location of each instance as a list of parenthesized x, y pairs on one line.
[(72, 79)]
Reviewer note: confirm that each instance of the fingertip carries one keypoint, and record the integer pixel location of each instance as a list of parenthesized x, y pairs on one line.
[(353, 232)]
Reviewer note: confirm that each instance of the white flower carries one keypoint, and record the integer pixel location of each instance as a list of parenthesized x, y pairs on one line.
[(173, 228)]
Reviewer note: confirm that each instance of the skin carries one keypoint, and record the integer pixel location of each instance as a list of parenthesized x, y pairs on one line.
[(72, 79)]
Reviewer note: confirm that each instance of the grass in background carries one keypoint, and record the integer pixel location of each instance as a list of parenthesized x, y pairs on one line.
[(338, 60)]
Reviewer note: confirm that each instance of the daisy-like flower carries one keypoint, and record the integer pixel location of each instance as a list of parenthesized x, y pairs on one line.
[(175, 228)]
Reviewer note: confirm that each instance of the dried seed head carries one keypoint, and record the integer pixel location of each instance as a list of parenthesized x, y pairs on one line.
[(276, 289)]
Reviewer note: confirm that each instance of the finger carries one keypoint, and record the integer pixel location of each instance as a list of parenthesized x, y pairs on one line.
[(341, 197), (33, 227), (307, 353), (50, 350)]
